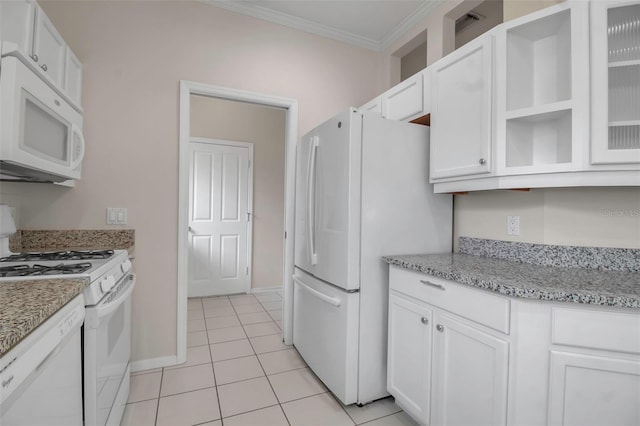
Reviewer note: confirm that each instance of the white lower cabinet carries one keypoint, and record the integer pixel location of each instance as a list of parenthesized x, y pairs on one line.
[(409, 356), (443, 369), (458, 355), (469, 374), (593, 390)]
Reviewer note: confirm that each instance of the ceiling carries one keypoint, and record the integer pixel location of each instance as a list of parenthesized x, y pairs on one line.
[(371, 24)]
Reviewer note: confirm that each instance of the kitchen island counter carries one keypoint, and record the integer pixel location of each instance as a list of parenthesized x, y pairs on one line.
[(25, 304), (510, 278)]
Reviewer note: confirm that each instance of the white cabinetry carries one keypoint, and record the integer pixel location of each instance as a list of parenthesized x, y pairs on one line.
[(374, 105), (594, 367), (435, 320), (31, 36), (461, 111), (615, 66), (470, 374), (464, 356), (543, 91), (405, 100), (48, 49), (593, 390), (409, 355)]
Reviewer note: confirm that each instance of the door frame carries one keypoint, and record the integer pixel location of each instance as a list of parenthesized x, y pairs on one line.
[(188, 88), (236, 144)]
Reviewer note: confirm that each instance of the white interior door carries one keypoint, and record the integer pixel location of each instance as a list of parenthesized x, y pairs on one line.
[(219, 218)]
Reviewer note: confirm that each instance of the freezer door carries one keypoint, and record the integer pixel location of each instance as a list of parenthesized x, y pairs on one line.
[(325, 333), (328, 201)]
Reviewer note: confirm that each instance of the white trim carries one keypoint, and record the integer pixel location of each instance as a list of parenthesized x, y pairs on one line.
[(302, 24), (151, 363), (249, 146), (188, 88)]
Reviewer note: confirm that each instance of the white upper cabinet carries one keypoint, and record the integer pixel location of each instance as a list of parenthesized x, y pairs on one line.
[(615, 66), (41, 47), (49, 48), (461, 103), (542, 91), (374, 105), (16, 23), (405, 100), (73, 77)]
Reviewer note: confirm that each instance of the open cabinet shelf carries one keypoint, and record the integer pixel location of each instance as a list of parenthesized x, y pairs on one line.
[(539, 62)]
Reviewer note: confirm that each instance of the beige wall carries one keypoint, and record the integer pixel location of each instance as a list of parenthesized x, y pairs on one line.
[(516, 8), (264, 127), (134, 55)]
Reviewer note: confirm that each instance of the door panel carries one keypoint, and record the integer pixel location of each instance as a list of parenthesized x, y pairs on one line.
[(468, 389), (218, 220), (589, 390), (409, 356), (325, 333)]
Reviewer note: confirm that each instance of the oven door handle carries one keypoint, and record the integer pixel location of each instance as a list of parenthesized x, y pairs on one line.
[(96, 313)]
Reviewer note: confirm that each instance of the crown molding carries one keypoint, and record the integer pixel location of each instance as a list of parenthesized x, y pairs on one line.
[(316, 28), (409, 22)]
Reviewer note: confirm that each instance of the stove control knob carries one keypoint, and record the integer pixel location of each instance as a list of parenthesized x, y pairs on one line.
[(107, 283), (125, 266)]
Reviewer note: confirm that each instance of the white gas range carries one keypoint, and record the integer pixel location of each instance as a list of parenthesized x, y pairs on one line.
[(107, 324)]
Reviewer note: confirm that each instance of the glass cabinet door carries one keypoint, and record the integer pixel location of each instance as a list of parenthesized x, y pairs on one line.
[(615, 38)]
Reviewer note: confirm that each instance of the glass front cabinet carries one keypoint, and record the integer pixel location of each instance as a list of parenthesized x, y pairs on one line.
[(615, 90)]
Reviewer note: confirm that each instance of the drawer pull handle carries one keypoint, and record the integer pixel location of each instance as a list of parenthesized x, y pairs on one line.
[(440, 328), (429, 283), (424, 320)]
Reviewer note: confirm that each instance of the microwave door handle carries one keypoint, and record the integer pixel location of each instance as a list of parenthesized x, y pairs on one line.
[(77, 144)]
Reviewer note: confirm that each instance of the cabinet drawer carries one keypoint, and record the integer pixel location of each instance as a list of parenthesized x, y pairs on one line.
[(590, 328), (474, 304)]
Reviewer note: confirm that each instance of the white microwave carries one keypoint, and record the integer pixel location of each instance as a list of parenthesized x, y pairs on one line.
[(40, 133)]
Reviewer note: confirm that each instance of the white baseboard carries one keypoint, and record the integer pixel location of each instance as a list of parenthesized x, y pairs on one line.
[(149, 364), (266, 289)]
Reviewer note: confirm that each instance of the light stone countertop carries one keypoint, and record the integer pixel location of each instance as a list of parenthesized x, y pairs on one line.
[(560, 284), (24, 305)]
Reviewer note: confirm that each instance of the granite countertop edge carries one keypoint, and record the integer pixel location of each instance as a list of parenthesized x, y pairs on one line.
[(27, 304), (522, 289)]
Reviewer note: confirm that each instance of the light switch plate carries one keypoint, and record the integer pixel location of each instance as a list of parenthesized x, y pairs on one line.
[(116, 216)]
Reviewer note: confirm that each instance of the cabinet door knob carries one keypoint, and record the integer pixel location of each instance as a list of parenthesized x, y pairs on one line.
[(424, 320), (482, 161), (44, 67), (440, 328), (34, 57)]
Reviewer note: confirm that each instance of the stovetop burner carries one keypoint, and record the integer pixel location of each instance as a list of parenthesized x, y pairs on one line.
[(59, 255), (37, 270)]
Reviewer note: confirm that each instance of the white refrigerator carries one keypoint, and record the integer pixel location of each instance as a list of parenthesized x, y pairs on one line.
[(362, 192)]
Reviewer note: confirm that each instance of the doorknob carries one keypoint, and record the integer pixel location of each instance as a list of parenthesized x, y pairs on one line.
[(191, 230)]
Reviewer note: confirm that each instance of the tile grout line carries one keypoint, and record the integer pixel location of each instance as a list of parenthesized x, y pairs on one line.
[(215, 384)]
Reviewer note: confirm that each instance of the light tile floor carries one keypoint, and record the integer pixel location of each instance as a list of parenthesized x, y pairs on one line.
[(238, 372)]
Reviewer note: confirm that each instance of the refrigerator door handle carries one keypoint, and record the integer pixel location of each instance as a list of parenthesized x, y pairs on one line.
[(327, 299), (311, 201)]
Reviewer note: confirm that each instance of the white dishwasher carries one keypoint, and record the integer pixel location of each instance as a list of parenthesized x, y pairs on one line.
[(42, 376)]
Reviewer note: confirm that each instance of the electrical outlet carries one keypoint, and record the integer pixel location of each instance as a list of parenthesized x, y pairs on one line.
[(513, 225), (116, 216)]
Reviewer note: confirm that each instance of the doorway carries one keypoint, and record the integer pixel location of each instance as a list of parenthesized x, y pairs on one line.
[(220, 206), (188, 90)]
